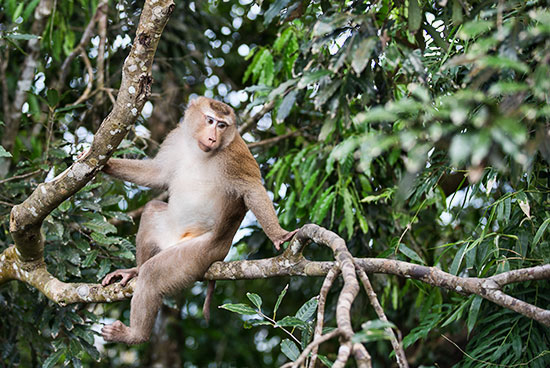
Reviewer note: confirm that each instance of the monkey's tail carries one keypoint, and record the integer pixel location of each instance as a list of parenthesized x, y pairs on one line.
[(208, 299)]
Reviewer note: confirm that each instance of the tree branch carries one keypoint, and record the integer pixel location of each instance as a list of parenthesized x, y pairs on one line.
[(327, 284), (399, 353), (26, 218), (314, 344), (101, 12), (248, 123)]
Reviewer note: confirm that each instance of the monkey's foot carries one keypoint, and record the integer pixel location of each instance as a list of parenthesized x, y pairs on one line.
[(125, 275)]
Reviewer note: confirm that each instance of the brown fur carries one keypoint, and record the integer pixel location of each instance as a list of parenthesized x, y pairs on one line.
[(231, 181), (220, 107)]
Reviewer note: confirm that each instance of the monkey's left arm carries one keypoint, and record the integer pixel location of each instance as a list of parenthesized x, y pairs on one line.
[(257, 200)]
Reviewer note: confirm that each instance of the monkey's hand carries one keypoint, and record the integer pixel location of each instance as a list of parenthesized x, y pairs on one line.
[(125, 275), (280, 240)]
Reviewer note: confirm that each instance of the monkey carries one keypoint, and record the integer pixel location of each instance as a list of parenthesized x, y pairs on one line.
[(212, 179)]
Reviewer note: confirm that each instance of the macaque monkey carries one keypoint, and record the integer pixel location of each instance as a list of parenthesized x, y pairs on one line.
[(212, 178)]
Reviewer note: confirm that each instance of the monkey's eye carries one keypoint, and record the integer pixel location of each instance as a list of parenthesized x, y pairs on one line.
[(210, 120), (222, 125)]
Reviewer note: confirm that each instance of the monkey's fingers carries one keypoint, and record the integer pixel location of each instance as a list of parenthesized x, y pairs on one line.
[(284, 239), (126, 277), (113, 332), (110, 278), (107, 280)]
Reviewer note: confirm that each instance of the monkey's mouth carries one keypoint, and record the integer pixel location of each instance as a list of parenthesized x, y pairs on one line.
[(204, 147)]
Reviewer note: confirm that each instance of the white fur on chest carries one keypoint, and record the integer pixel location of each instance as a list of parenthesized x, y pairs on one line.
[(196, 194)]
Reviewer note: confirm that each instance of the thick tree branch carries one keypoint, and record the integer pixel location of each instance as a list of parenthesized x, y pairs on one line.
[(26, 218), (290, 264), (35, 274)]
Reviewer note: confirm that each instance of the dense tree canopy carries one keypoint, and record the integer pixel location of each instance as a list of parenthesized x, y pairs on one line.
[(417, 130)]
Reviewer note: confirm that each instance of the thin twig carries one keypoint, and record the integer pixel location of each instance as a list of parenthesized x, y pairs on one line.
[(399, 353), (5, 89), (247, 125), (273, 140), (102, 31), (314, 344), (86, 94), (327, 284), (22, 176), (84, 40)]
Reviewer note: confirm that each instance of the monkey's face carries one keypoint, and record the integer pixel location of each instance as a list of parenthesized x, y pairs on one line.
[(211, 132), (213, 123)]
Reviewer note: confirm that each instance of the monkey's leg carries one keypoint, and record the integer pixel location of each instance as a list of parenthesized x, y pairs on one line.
[(172, 269), (146, 246)]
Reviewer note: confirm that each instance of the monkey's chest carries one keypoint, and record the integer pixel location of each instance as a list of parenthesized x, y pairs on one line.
[(196, 202)]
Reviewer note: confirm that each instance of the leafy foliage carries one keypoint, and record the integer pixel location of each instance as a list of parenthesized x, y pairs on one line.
[(415, 129)]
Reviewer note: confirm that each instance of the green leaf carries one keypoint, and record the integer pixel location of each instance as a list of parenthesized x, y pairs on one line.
[(473, 313), (279, 299), (325, 203), (53, 358), (286, 106), (90, 258), (373, 331), (415, 16), (30, 8), (289, 321), (265, 70), (104, 267), (255, 299), (290, 349), (53, 97), (501, 62), (329, 25), (18, 11), (457, 12), (312, 77), (274, 10), (540, 231), (375, 115), (325, 361), (255, 322), (362, 53), (457, 261), (100, 226), (240, 308), (474, 28), (410, 253), (4, 153), (307, 310), (281, 41), (348, 211)]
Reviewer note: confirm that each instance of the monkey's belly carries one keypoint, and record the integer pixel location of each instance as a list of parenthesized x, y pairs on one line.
[(190, 215)]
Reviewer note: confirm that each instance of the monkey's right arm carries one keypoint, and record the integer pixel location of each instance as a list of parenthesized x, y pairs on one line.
[(145, 172), (257, 200)]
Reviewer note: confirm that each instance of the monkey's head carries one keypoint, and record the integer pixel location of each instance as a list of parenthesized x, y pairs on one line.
[(212, 123)]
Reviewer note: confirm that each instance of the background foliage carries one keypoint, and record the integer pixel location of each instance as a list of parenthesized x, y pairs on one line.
[(416, 129)]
